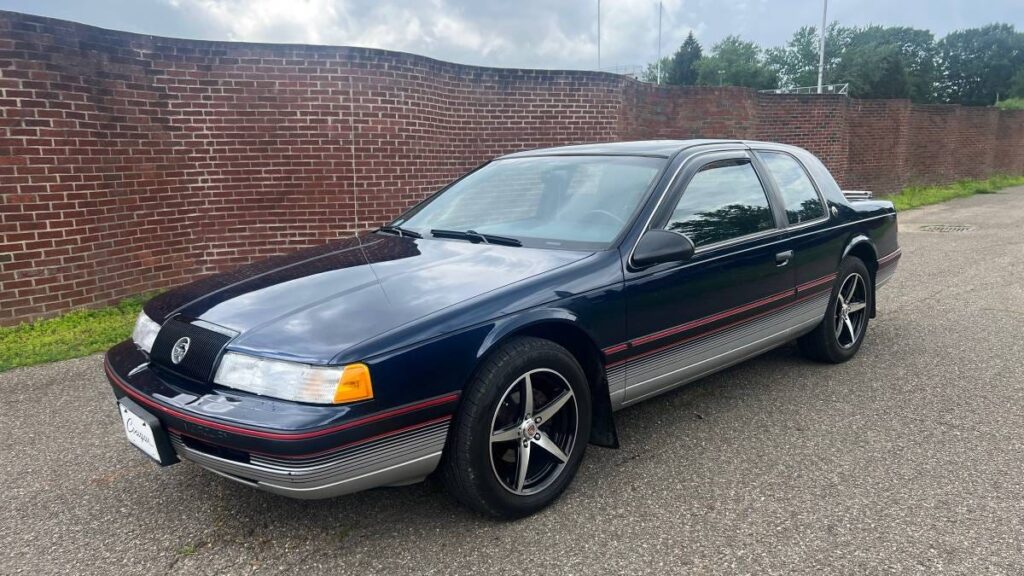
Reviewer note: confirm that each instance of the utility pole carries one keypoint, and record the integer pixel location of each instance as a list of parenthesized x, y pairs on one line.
[(659, 42), (821, 47), (598, 34)]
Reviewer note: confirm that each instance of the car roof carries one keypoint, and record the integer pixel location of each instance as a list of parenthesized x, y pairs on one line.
[(656, 148)]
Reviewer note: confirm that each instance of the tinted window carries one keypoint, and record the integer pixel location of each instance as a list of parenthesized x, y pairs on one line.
[(574, 202), (798, 194), (724, 200)]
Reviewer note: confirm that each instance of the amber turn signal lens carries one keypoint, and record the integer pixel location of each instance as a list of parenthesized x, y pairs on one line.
[(354, 384)]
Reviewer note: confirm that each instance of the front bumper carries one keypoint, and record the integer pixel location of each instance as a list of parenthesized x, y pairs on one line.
[(404, 459), (263, 443)]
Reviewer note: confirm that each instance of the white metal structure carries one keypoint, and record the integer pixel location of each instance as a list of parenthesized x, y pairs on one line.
[(824, 89)]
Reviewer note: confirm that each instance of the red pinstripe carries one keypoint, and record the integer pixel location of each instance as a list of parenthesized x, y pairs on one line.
[(708, 319), (712, 331), (808, 285), (329, 450), (616, 348), (276, 435), (890, 258), (715, 317)]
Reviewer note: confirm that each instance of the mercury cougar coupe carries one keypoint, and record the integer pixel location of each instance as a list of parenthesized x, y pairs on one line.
[(490, 332)]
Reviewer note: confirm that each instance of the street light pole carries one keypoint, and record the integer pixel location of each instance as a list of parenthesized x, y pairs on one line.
[(659, 42), (598, 34), (821, 47)]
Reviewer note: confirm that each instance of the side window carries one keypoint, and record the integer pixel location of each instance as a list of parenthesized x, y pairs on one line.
[(724, 200), (798, 194)]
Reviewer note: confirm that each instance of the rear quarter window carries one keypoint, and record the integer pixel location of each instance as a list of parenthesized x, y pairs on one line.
[(799, 196)]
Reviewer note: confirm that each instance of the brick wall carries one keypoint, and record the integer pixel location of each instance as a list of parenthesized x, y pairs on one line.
[(649, 111), (932, 147), (131, 162), (816, 123), (976, 142), (1010, 142), (879, 133)]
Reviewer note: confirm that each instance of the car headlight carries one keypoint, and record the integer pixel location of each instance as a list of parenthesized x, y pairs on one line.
[(145, 332), (294, 381)]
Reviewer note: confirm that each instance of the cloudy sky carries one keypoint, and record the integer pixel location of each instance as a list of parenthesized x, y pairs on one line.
[(523, 33)]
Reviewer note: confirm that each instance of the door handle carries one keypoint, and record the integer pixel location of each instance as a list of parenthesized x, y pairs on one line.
[(783, 258)]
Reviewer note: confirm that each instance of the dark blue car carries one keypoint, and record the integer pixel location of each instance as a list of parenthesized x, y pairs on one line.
[(490, 332)]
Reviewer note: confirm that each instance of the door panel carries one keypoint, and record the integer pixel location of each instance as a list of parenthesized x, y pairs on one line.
[(673, 315), (728, 302), (718, 348), (811, 231)]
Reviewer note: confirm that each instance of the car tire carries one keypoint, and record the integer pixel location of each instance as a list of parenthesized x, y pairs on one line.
[(488, 440), (839, 336)]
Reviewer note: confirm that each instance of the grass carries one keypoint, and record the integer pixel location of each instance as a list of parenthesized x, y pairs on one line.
[(1011, 104), (914, 196), (187, 550), (71, 335)]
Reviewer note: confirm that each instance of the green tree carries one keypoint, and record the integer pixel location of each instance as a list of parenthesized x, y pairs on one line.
[(735, 62), (1017, 85), (916, 51), (873, 59), (682, 71), (980, 63), (679, 69), (650, 73), (796, 63), (875, 71)]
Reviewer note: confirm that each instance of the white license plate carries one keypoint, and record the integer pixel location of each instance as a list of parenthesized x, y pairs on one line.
[(139, 433)]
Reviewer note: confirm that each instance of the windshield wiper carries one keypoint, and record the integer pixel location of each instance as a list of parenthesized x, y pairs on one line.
[(474, 236), (399, 231)]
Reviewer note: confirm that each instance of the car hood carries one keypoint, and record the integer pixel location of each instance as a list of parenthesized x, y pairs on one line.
[(313, 304)]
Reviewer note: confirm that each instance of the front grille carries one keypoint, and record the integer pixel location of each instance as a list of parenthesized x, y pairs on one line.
[(204, 348)]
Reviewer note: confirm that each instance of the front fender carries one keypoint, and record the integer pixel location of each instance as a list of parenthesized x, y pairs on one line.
[(565, 328), (510, 325)]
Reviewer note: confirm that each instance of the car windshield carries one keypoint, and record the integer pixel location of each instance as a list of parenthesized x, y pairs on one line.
[(568, 202)]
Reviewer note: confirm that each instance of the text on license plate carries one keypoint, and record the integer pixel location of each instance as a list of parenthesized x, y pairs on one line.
[(139, 433)]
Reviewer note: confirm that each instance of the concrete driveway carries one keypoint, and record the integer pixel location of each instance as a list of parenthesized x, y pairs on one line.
[(910, 458)]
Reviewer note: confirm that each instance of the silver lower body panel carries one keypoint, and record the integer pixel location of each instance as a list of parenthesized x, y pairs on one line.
[(616, 385), (393, 461), (651, 375), (884, 275)]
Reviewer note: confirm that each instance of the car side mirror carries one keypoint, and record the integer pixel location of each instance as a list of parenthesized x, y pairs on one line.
[(660, 246)]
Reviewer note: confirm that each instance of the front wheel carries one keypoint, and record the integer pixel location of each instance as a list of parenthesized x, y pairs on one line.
[(521, 430), (842, 331)]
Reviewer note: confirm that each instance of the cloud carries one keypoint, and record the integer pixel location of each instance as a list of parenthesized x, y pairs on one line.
[(305, 21), (461, 33), (528, 33), (520, 33), (413, 26)]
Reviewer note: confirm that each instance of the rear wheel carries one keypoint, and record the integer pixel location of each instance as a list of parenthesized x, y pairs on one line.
[(842, 331), (521, 430)]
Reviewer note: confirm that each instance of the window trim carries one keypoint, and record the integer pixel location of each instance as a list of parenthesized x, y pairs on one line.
[(758, 152), (676, 195)]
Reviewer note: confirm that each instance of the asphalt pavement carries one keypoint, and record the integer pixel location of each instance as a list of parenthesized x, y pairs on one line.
[(907, 459)]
